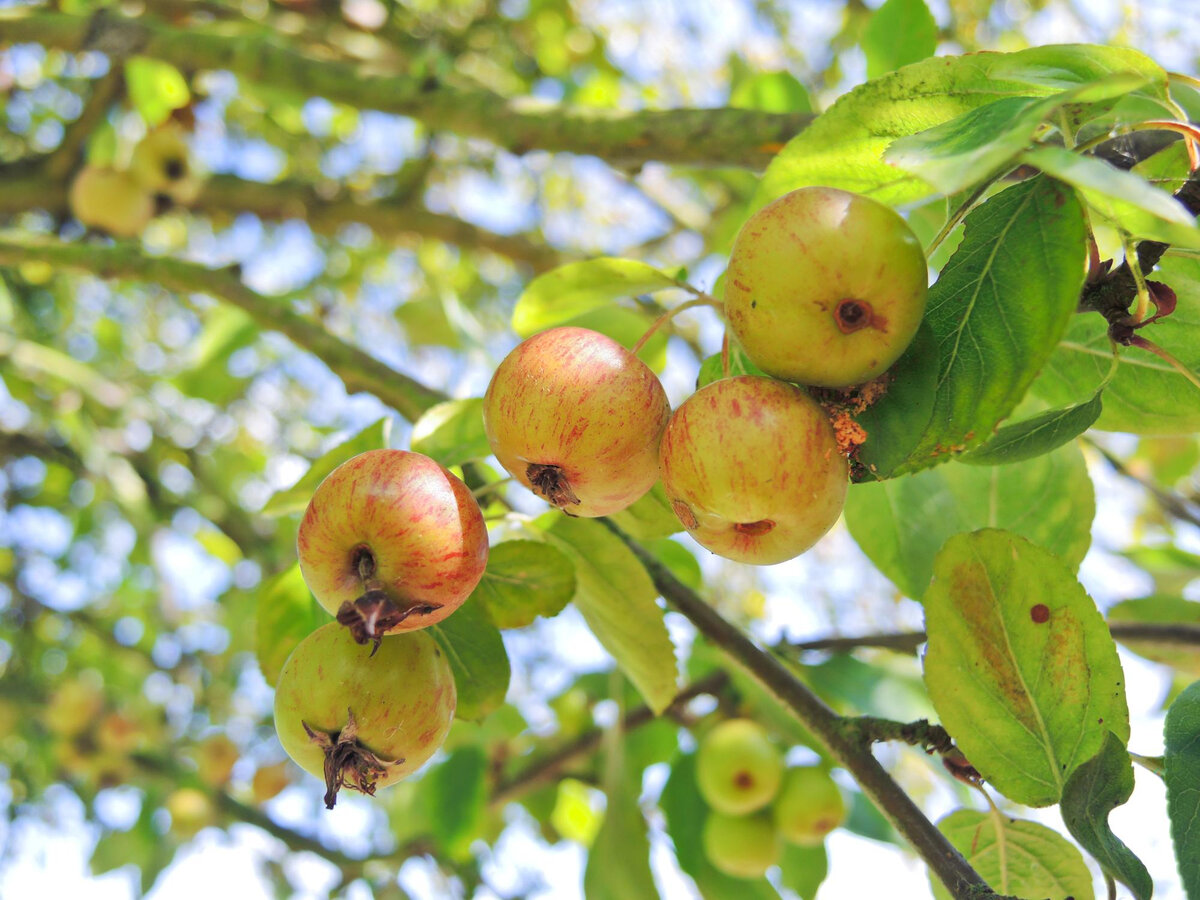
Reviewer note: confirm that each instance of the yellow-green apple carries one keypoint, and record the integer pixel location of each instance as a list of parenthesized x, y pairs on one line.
[(809, 806), (111, 201), (359, 721), (577, 418), (161, 163), (825, 287), (391, 542), (738, 767), (752, 469), (741, 846)]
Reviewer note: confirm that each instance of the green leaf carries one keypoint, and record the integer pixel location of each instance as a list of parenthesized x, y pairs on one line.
[(452, 432), (685, 813), (1182, 762), (1020, 665), (712, 369), (1165, 610), (226, 330), (618, 865), (773, 92), (901, 524), (524, 580), (650, 517), (1036, 436), (995, 316), (561, 294), (899, 32), (988, 140), (457, 797), (478, 659), (1147, 395), (617, 599), (681, 561), (1094, 790), (156, 88), (844, 146), (1126, 201), (287, 614), (803, 869), (295, 498), (1015, 857), (626, 327)]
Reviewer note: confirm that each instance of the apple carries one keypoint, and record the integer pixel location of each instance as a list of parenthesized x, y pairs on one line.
[(391, 542), (359, 720), (738, 767), (191, 810), (741, 846), (110, 201), (215, 758), (269, 781), (825, 287), (752, 469), (161, 163), (577, 418), (809, 806)]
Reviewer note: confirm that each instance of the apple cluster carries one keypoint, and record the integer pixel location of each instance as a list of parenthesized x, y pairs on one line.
[(121, 202), (824, 288), (756, 803), (391, 542)]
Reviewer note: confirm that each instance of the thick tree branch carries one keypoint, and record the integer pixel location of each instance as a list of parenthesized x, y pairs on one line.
[(714, 137), (839, 736), (358, 370)]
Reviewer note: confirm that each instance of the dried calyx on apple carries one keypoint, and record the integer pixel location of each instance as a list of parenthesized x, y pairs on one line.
[(825, 287), (359, 720), (391, 542), (577, 419)]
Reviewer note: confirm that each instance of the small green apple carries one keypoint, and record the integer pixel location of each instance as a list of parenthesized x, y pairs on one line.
[(110, 201), (577, 418), (809, 806), (738, 767), (752, 469), (825, 287), (161, 163), (741, 846)]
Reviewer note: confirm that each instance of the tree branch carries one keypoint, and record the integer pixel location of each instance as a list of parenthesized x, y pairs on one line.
[(711, 137), (840, 736), (359, 371)]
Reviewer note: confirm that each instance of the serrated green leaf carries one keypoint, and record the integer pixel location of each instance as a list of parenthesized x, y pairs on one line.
[(1020, 666), (994, 317), (1122, 199), (617, 599), (1094, 790), (1147, 395), (457, 796), (561, 294), (524, 580), (1017, 858), (287, 614), (156, 88), (685, 812), (844, 147), (1035, 436), (477, 657), (1182, 775), (898, 33), (295, 498), (902, 523), (650, 517), (452, 432)]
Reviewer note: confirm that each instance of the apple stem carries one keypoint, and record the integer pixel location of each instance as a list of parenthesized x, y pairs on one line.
[(670, 314), (347, 762), (725, 354)]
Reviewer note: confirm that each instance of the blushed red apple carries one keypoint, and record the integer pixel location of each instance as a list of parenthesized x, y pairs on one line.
[(825, 287), (391, 542), (577, 419), (752, 469)]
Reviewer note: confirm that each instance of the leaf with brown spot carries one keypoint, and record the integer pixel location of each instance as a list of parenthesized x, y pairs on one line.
[(1027, 701)]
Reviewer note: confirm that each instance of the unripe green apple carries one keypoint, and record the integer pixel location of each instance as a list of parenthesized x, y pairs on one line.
[(577, 418), (363, 721), (825, 287), (752, 469), (809, 806), (391, 542), (738, 767), (111, 201), (741, 846), (161, 163)]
